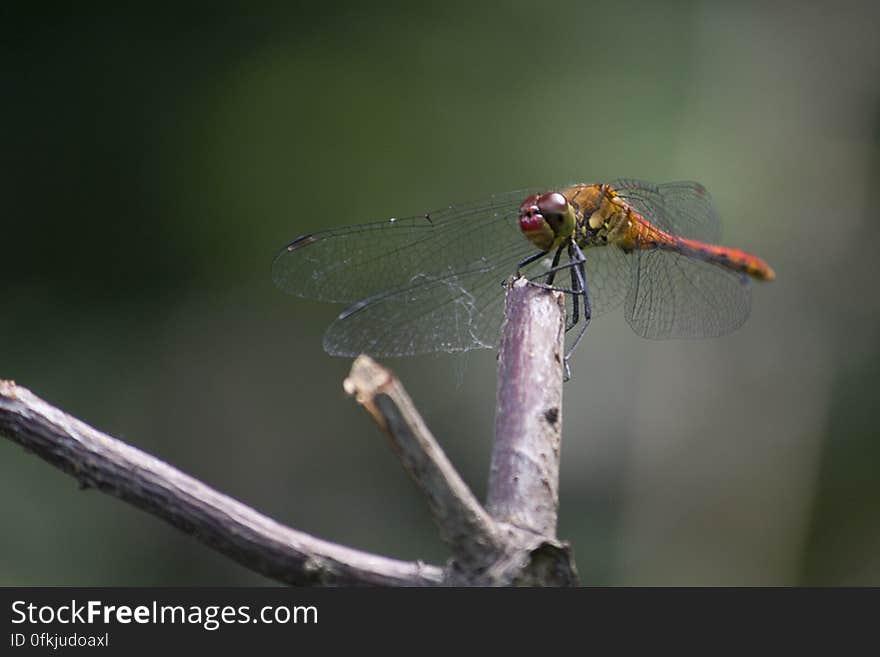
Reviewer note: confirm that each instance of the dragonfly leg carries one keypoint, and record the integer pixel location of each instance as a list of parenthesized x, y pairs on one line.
[(550, 273), (530, 260), (578, 290), (578, 273), (556, 288), (554, 266), (575, 300)]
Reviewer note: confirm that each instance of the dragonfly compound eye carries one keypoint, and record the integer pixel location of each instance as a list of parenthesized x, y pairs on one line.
[(540, 217), (553, 207), (552, 203)]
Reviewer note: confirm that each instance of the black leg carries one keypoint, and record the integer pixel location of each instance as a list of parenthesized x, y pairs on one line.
[(581, 311), (579, 273), (528, 261), (550, 273), (575, 298), (556, 288), (554, 266), (553, 270)]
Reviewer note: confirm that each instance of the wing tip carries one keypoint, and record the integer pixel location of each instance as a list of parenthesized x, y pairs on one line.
[(279, 276)]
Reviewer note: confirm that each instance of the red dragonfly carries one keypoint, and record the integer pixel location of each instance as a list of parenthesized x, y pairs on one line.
[(432, 282)]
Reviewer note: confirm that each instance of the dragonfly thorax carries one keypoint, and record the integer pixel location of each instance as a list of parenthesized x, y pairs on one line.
[(600, 216), (547, 220)]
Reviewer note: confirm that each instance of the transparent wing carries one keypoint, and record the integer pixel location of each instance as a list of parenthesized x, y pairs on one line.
[(681, 208), (607, 271), (673, 295), (352, 263), (456, 312)]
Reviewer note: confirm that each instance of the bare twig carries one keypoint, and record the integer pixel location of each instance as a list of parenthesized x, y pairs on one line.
[(524, 474), (257, 542), (464, 524)]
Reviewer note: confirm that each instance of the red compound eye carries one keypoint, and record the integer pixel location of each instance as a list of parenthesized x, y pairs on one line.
[(552, 203)]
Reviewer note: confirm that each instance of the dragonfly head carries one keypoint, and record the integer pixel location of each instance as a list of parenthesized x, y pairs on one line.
[(546, 220)]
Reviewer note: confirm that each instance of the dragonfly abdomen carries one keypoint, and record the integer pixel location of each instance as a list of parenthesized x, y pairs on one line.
[(646, 236), (723, 256)]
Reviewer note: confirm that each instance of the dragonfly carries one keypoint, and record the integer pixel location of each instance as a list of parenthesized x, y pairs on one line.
[(433, 282)]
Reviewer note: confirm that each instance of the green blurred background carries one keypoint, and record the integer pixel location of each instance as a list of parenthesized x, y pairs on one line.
[(153, 163)]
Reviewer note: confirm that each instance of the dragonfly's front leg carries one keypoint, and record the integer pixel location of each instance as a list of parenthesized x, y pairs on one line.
[(550, 273), (531, 259)]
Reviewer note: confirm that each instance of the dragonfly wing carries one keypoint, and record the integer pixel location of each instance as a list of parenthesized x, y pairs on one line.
[(456, 312), (681, 208), (352, 263), (606, 269), (672, 295)]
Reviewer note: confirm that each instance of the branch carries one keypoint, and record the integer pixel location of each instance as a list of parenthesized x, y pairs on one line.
[(524, 473), (464, 524), (516, 543), (250, 538)]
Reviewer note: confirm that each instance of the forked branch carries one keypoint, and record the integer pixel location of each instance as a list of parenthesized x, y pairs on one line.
[(515, 541), (512, 543)]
